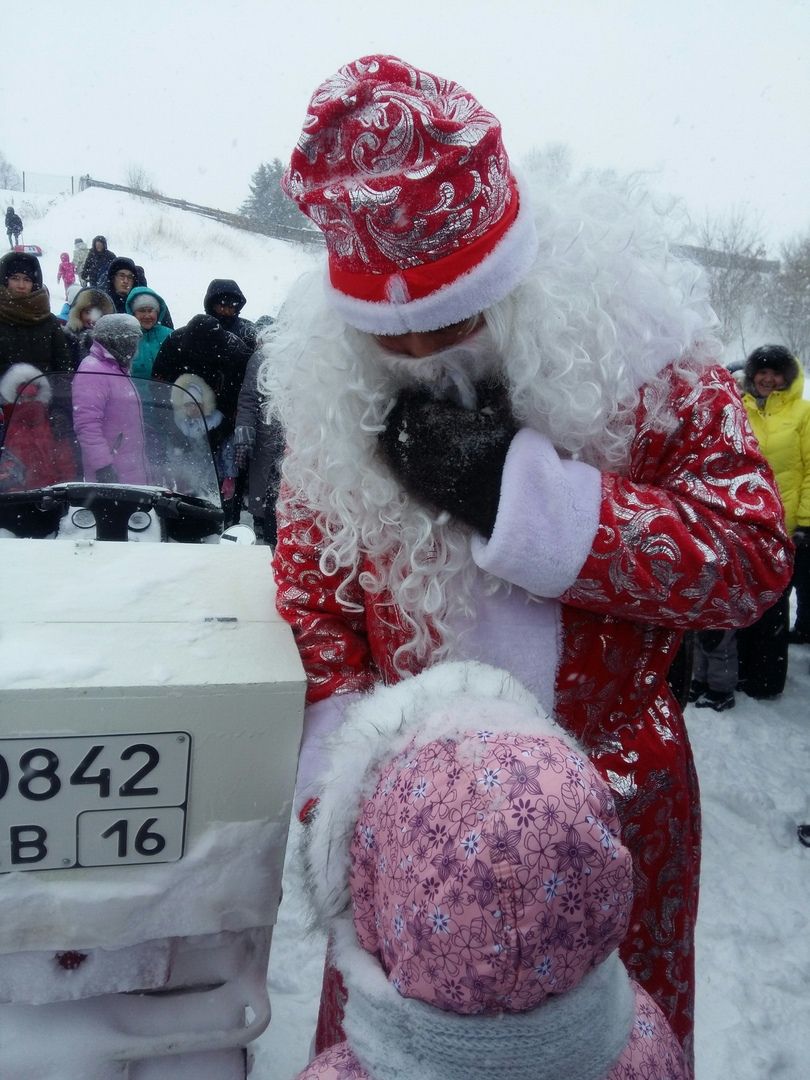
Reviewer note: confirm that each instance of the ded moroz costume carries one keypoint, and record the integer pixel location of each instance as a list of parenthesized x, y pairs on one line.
[(508, 440)]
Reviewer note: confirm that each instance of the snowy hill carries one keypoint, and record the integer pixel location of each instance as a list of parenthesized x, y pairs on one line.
[(180, 251)]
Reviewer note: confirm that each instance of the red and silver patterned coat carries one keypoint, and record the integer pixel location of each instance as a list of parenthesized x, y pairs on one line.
[(692, 535)]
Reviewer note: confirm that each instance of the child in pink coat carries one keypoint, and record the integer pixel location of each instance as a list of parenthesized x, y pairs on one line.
[(476, 890), (66, 272)]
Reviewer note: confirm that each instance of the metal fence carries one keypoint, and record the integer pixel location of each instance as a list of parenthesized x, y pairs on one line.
[(49, 183), (238, 221)]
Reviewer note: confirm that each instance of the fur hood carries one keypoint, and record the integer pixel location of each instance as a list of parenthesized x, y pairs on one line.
[(88, 298), (17, 376), (775, 357), (458, 810), (196, 387), (378, 726)]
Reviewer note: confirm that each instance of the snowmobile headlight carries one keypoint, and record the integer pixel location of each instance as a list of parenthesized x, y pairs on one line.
[(83, 518), (139, 521)]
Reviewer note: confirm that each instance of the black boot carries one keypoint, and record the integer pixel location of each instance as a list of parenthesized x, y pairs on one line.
[(697, 689), (719, 700)]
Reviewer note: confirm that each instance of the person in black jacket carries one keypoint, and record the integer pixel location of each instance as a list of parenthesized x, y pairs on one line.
[(97, 263), (219, 357), (224, 300), (122, 277), (29, 333), (14, 226)]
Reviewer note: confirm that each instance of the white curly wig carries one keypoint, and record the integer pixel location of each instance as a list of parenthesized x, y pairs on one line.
[(606, 308)]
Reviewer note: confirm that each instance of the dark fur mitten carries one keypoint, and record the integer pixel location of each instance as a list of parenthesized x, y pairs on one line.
[(449, 457)]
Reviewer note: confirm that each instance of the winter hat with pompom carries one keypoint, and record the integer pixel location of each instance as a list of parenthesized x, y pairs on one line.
[(406, 175), (119, 335)]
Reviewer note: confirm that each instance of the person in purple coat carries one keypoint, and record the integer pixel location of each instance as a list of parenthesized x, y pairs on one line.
[(107, 415)]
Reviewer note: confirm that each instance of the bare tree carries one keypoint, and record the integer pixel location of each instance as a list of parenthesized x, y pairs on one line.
[(786, 299), (9, 177), (736, 269), (554, 161), (138, 178)]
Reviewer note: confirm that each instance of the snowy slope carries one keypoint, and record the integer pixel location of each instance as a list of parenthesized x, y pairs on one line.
[(180, 251)]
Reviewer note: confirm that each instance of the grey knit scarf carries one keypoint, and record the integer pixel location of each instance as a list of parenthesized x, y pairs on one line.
[(579, 1035)]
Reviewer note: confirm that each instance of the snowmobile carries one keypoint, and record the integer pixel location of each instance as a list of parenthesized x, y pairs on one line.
[(159, 479), (152, 702)]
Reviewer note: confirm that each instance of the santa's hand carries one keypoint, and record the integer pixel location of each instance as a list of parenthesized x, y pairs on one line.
[(450, 457), (228, 488)]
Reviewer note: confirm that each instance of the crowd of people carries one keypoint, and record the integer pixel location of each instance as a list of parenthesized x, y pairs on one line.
[(113, 322), (508, 441)]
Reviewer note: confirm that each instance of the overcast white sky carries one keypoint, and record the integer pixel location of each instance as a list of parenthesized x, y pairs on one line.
[(711, 95)]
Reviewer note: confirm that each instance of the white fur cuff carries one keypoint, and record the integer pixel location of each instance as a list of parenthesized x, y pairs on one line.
[(547, 518)]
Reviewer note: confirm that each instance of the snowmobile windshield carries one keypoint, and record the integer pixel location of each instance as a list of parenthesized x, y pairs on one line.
[(72, 433)]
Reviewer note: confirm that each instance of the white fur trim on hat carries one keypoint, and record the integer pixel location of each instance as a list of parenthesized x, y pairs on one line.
[(17, 376), (487, 283), (445, 700)]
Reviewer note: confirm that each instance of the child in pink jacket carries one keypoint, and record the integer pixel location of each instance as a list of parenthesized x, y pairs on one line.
[(66, 272), (476, 890)]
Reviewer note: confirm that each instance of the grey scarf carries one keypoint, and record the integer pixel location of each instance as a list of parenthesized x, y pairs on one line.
[(579, 1035)]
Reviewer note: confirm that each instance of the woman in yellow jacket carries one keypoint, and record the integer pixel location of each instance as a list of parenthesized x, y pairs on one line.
[(780, 418)]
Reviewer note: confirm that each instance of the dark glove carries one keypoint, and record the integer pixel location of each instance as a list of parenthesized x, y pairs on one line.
[(801, 537), (107, 475), (240, 456), (450, 457)]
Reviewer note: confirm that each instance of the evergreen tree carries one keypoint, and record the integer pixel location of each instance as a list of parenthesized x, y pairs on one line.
[(267, 205)]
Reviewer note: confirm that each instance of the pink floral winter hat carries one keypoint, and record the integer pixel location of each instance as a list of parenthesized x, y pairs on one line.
[(485, 869)]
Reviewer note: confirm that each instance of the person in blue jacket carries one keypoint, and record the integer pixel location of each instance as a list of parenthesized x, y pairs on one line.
[(148, 308)]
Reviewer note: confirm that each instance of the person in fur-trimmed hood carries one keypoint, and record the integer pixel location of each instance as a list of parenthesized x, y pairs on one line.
[(508, 439), (467, 859), (34, 454), (86, 309)]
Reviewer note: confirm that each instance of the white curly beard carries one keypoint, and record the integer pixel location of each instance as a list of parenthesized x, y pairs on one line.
[(605, 311)]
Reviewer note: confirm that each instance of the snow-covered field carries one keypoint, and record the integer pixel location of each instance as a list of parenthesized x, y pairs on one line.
[(753, 941)]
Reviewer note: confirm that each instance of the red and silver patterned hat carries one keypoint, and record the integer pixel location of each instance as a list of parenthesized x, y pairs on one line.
[(407, 177)]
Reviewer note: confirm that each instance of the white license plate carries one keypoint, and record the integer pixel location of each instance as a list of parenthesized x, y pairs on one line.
[(92, 800)]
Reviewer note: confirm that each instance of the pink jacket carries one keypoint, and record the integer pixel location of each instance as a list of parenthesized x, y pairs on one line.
[(66, 271), (489, 890), (107, 418)]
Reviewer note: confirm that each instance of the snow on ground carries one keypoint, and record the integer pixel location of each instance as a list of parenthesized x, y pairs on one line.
[(753, 938)]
